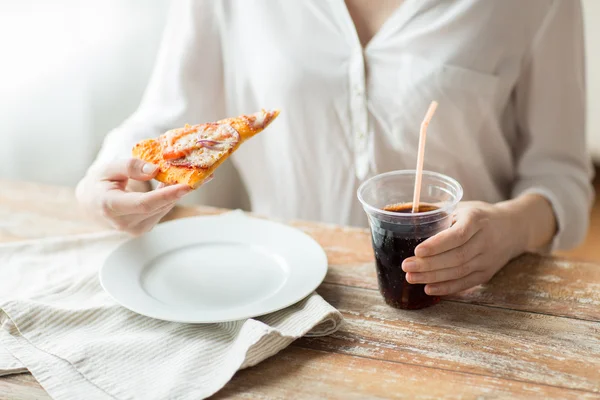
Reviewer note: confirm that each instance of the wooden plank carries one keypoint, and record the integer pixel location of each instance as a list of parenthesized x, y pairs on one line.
[(450, 335), (21, 387), (32, 211), (336, 376), (530, 283), (547, 285), (533, 283), (467, 338)]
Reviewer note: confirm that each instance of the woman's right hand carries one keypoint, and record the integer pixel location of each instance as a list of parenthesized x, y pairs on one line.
[(114, 192)]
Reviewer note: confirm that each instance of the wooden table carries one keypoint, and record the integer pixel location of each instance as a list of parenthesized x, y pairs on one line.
[(533, 332)]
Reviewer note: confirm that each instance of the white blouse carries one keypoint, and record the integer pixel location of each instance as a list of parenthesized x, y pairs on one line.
[(508, 76)]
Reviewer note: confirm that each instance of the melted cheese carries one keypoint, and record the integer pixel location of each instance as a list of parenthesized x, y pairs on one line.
[(186, 144), (259, 122)]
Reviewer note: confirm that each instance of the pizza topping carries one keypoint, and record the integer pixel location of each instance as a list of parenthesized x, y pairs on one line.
[(198, 145), (259, 122), (210, 144)]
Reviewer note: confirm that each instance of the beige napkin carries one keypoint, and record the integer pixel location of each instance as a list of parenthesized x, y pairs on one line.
[(57, 322)]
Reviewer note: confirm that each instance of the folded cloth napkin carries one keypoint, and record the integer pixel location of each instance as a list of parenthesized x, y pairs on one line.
[(58, 323), (9, 364)]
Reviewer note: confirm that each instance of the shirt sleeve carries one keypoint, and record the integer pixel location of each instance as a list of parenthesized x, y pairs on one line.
[(186, 84), (552, 159)]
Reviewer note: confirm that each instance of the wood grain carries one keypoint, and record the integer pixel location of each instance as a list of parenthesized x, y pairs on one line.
[(532, 332), (21, 387), (546, 285), (531, 283), (297, 373), (32, 211), (328, 375), (534, 283), (503, 343)]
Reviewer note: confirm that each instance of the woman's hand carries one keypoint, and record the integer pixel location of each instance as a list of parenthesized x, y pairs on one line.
[(117, 194), (483, 238)]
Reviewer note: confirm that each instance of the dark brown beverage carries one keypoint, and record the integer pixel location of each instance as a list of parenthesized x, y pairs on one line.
[(393, 243)]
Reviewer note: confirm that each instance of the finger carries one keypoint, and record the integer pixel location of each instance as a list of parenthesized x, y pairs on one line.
[(164, 209), (123, 223), (457, 285), (147, 224), (210, 178), (125, 203), (458, 234), (446, 274), (449, 259), (129, 168), (135, 219), (129, 223), (163, 184)]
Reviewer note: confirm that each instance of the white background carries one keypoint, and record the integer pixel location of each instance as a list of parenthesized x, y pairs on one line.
[(71, 70)]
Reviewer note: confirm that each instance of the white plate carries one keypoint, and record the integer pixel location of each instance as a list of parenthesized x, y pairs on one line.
[(214, 269)]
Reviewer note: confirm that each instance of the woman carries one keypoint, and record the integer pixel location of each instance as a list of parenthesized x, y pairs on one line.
[(353, 82)]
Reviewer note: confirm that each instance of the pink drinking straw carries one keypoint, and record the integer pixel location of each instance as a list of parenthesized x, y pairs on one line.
[(421, 155)]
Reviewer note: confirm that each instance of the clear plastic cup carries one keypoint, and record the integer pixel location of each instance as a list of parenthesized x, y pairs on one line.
[(397, 233)]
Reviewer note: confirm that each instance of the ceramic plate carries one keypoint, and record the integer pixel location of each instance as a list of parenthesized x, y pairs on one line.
[(214, 269)]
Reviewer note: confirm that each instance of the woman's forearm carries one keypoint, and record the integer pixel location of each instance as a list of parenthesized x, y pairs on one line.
[(534, 219)]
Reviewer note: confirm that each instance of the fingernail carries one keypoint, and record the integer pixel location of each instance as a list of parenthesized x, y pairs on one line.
[(431, 290), (149, 169), (411, 277), (409, 266)]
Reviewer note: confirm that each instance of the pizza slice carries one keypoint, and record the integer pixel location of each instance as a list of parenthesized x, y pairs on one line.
[(191, 154)]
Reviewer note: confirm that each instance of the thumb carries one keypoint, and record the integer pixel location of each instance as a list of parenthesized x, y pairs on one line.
[(133, 168)]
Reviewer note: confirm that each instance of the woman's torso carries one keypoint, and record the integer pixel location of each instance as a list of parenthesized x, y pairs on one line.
[(349, 113)]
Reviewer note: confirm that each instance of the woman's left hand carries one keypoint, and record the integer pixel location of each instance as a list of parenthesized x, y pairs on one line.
[(482, 239)]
